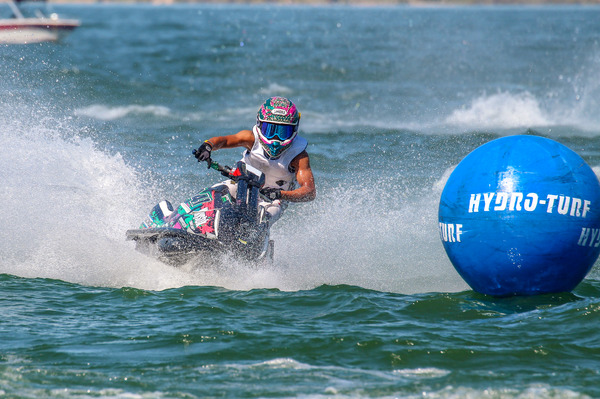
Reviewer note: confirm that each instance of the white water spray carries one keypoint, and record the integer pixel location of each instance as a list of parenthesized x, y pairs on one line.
[(67, 205)]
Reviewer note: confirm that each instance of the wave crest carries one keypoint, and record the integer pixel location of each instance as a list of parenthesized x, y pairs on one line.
[(107, 113), (501, 110)]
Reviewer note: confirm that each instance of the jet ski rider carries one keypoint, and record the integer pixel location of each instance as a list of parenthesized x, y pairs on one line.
[(273, 147)]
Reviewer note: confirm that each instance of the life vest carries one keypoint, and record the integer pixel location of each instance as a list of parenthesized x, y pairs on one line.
[(278, 173)]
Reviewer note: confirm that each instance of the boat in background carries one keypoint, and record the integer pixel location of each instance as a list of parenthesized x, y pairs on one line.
[(17, 28)]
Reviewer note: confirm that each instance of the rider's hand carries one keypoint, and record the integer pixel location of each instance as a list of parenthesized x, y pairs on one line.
[(203, 152), (271, 193)]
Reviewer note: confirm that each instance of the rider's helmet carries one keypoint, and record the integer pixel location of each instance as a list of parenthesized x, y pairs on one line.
[(277, 124)]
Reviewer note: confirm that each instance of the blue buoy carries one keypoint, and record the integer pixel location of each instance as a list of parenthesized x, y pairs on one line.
[(520, 215)]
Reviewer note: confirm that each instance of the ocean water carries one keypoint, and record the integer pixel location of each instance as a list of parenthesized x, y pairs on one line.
[(361, 300)]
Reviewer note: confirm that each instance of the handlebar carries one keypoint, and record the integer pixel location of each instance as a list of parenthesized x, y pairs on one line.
[(224, 169), (228, 172)]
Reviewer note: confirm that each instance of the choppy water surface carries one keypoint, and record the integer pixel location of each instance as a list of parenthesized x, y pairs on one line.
[(362, 300)]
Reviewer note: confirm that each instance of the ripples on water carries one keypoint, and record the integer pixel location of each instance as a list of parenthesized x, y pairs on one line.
[(363, 301), (208, 341)]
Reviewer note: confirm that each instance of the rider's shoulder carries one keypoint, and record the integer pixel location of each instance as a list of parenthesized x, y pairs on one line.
[(299, 158), (303, 154)]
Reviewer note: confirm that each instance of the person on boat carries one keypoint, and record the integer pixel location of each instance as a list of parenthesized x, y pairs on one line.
[(273, 147)]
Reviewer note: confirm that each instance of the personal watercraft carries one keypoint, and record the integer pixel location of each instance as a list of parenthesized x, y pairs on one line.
[(210, 223)]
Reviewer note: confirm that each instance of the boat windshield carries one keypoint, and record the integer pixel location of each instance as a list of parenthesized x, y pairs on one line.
[(24, 9)]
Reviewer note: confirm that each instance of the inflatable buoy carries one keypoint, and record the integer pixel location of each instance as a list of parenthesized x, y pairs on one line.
[(520, 215)]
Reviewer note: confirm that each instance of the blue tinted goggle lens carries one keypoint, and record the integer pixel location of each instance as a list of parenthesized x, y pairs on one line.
[(274, 131)]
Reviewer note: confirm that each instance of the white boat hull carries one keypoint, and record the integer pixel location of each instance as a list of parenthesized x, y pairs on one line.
[(34, 30)]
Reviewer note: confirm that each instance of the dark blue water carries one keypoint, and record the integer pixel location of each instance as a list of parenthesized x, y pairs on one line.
[(362, 300)]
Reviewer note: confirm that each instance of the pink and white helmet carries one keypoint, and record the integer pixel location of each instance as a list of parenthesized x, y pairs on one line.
[(277, 124)]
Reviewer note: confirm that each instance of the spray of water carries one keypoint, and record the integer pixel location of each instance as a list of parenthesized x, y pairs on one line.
[(67, 205), (371, 237), (574, 106)]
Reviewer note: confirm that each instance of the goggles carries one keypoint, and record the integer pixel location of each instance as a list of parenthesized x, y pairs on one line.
[(273, 131)]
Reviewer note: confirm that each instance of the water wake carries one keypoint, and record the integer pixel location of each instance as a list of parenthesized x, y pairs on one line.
[(71, 202), (501, 110), (574, 105)]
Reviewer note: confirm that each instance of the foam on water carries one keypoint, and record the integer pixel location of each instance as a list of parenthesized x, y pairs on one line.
[(359, 236), (575, 104), (107, 113), (501, 110), (509, 111), (567, 107)]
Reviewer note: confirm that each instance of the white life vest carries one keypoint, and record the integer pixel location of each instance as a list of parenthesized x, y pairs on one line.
[(277, 171)]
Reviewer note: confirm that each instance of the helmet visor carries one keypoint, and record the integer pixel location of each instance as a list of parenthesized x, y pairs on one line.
[(274, 131)]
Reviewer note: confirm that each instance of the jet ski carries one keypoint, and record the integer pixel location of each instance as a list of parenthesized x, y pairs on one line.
[(211, 223)]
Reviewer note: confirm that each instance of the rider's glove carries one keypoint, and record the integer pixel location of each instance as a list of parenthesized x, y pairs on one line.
[(271, 193), (203, 152)]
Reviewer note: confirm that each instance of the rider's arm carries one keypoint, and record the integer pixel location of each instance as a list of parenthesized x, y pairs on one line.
[(243, 138), (307, 191)]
